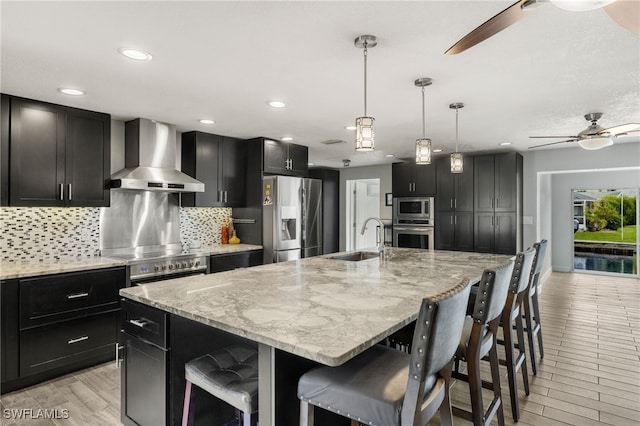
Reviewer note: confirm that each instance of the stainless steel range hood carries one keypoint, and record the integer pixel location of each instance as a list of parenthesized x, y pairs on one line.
[(150, 160)]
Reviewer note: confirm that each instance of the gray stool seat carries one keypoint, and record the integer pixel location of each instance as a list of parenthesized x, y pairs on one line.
[(229, 374)]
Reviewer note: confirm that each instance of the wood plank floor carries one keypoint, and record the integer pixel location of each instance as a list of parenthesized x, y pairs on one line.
[(590, 374)]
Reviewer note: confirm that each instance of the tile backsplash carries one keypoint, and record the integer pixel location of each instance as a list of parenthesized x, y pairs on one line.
[(51, 233)]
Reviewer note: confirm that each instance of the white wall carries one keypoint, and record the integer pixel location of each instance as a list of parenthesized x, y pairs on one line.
[(383, 172), (549, 177)]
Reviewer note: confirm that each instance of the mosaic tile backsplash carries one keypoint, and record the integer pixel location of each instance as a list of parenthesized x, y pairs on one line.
[(51, 233)]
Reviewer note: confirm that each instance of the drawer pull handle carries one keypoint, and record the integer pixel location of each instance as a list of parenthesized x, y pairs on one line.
[(76, 295), (139, 323), (78, 339)]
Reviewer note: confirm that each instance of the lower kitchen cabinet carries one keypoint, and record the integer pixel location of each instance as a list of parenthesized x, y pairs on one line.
[(229, 261), (56, 324), (495, 233)]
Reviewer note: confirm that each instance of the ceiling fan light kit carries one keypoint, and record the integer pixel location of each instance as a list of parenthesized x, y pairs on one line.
[(423, 145), (457, 160), (365, 131), (580, 5), (592, 144)]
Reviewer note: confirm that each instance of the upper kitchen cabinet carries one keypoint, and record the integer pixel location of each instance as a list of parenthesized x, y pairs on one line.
[(413, 180), (282, 158), (58, 156), (220, 163)]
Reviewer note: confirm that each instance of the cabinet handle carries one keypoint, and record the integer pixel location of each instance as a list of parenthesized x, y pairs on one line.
[(76, 295), (450, 220), (451, 203), (119, 347), (62, 192), (455, 203), (409, 186), (455, 220), (225, 196), (69, 188), (492, 221), (498, 221), (139, 323), (77, 339)]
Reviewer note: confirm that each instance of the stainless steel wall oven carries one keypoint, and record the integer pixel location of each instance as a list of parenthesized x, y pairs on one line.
[(413, 220)]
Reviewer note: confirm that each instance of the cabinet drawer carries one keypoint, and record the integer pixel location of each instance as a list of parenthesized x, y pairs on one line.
[(145, 322), (48, 299), (227, 262), (55, 345)]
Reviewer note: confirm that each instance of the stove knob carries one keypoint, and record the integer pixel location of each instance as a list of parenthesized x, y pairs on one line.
[(164, 267), (184, 265), (170, 266), (197, 263), (191, 264), (156, 268)]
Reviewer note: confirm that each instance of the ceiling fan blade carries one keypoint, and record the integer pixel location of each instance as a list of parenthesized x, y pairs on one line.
[(626, 13), (553, 137), (634, 134), (493, 26), (623, 128), (552, 143)]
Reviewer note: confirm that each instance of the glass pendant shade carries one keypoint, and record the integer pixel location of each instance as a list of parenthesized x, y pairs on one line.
[(595, 143), (457, 162), (365, 134), (423, 151)]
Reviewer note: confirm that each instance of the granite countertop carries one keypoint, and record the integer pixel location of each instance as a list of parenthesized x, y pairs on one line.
[(10, 270), (227, 248), (319, 308)]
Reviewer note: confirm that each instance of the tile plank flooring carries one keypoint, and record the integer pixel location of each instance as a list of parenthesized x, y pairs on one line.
[(590, 374)]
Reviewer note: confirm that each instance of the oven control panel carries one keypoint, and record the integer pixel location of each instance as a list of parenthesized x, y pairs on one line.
[(160, 267)]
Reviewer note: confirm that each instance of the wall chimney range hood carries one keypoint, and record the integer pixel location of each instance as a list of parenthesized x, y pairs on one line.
[(150, 160)]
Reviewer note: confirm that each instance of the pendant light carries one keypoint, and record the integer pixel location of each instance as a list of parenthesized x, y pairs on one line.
[(457, 161), (423, 145), (365, 133)]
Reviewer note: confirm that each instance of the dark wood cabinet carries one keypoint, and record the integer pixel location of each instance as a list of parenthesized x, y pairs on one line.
[(413, 180), (229, 261), (330, 207), (59, 156), (282, 158), (56, 324), (454, 206), (220, 163), (498, 203)]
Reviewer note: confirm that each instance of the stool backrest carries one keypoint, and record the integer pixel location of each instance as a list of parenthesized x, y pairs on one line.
[(435, 339), (541, 251), (522, 269), (492, 293)]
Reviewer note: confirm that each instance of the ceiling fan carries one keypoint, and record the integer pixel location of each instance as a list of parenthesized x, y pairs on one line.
[(625, 12), (594, 136)]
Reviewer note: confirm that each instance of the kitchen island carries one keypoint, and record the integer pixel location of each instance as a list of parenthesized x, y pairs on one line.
[(321, 309)]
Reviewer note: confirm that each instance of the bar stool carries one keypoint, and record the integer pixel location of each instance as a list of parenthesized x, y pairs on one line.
[(533, 326), (229, 374), (479, 339), (373, 389)]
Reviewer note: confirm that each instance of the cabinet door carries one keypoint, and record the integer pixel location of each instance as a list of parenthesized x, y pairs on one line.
[(464, 186), (207, 160), (484, 232), (483, 183), (505, 233), (298, 160), (9, 325), (37, 153), (464, 237), (444, 231), (88, 153), (402, 179), (424, 179), (233, 173), (445, 185), (275, 157), (505, 182)]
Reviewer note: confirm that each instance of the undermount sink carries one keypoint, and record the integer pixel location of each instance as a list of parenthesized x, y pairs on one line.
[(357, 256)]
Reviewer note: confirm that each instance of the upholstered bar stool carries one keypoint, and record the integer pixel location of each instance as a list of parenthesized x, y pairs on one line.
[(479, 339), (512, 313), (229, 374), (533, 325), (373, 388)]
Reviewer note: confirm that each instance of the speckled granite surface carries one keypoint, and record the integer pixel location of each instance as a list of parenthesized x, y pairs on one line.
[(9, 270), (228, 248), (319, 308)]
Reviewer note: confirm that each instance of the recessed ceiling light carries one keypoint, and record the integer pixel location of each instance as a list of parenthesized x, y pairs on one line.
[(505, 143), (286, 139), (311, 164), (350, 127), (137, 55), (207, 121), (276, 104), (437, 150), (72, 92), (390, 155)]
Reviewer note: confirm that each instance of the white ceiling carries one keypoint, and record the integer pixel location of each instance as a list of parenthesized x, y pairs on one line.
[(224, 60)]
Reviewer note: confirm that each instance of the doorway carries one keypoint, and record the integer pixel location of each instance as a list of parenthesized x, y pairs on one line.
[(363, 201), (605, 232)]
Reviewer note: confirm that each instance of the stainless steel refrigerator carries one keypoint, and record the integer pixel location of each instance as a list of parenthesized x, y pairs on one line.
[(292, 218)]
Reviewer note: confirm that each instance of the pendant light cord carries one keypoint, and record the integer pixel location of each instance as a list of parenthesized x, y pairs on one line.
[(424, 131), (457, 110), (365, 79)]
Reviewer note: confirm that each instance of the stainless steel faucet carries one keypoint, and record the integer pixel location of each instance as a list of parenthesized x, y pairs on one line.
[(379, 236)]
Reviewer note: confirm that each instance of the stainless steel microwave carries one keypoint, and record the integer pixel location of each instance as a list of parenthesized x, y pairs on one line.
[(413, 210)]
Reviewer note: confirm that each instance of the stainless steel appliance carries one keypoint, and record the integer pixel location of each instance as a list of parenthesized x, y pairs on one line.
[(413, 220), (292, 221)]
